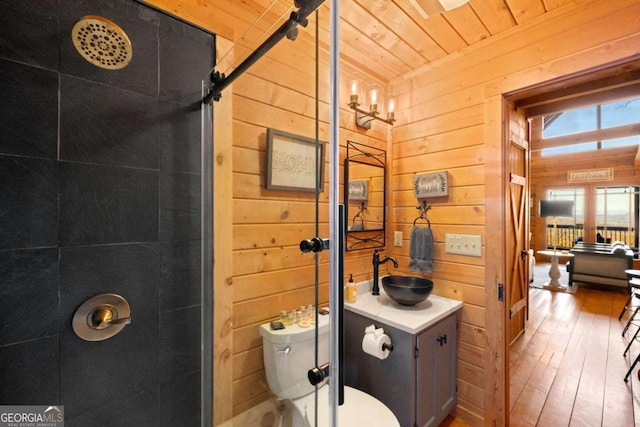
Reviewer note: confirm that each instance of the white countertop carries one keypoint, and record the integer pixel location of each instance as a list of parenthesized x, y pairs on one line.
[(411, 319)]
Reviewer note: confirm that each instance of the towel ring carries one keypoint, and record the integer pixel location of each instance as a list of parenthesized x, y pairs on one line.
[(423, 214), (423, 218), (357, 223)]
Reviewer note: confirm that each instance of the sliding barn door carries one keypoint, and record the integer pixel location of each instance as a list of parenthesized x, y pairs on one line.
[(517, 221)]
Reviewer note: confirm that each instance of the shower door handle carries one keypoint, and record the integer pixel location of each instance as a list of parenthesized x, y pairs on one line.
[(318, 374), (315, 244)]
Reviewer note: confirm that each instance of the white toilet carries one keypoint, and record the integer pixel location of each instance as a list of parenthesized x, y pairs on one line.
[(289, 354)]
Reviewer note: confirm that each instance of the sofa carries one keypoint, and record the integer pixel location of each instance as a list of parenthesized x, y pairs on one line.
[(600, 263)]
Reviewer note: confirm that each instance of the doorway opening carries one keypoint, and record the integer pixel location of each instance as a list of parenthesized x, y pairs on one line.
[(601, 86)]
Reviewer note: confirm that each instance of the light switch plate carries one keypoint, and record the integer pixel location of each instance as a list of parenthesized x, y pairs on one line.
[(463, 244), (397, 238)]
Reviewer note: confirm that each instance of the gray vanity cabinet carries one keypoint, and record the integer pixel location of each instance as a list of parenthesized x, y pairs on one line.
[(417, 381)]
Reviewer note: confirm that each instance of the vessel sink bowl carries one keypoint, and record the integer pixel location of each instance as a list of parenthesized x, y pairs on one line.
[(407, 290)]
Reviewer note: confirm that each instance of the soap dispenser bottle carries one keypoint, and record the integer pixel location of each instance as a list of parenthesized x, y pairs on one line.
[(351, 290)]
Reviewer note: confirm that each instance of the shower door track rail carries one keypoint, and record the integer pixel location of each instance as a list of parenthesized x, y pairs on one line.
[(289, 29)]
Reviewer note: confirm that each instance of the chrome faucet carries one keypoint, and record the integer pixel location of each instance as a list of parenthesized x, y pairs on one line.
[(376, 263)]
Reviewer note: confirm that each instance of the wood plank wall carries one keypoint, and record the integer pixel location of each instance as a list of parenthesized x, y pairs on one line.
[(442, 125), (223, 253), (445, 111)]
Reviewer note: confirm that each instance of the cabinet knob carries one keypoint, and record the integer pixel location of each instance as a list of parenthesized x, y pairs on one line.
[(442, 340)]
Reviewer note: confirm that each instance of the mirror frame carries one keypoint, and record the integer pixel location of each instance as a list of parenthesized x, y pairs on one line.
[(362, 154)]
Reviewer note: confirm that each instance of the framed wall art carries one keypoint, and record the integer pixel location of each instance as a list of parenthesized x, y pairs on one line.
[(435, 184), (294, 162), (358, 190)]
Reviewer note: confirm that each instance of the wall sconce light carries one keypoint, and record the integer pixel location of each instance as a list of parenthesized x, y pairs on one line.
[(364, 117)]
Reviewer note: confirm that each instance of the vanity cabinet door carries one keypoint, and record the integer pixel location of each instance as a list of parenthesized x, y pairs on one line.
[(436, 373)]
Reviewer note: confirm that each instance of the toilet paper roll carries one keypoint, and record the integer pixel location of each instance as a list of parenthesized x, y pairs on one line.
[(372, 344)]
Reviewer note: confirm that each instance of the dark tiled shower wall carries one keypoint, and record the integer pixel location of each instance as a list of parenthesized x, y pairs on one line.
[(100, 192)]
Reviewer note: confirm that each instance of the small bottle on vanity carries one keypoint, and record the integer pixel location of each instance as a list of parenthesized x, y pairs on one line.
[(351, 290)]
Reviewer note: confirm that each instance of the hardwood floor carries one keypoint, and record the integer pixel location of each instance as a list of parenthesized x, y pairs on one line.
[(567, 369)]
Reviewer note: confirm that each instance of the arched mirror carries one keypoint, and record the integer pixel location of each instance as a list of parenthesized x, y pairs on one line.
[(365, 195)]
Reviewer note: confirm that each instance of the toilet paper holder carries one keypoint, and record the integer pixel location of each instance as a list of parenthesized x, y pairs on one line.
[(379, 331), (376, 343)]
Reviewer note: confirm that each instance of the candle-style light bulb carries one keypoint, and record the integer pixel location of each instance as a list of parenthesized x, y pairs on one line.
[(374, 100), (353, 99), (390, 112)]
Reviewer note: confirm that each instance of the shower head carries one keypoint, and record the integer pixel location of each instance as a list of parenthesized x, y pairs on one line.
[(102, 42)]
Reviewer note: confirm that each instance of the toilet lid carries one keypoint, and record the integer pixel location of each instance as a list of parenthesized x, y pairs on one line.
[(359, 409)]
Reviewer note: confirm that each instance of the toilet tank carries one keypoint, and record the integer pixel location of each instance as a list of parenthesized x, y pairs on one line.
[(289, 354)]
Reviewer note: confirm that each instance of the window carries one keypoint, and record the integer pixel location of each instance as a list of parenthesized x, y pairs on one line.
[(602, 126), (617, 215), (569, 122)]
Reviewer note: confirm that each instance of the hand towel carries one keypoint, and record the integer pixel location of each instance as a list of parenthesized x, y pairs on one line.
[(357, 226), (421, 250)]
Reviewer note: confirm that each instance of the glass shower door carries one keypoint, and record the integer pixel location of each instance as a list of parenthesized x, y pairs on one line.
[(274, 134)]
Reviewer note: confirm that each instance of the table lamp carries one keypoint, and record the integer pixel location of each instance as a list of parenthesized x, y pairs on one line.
[(555, 209)]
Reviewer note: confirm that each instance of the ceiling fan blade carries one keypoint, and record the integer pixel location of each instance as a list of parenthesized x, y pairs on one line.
[(428, 8)]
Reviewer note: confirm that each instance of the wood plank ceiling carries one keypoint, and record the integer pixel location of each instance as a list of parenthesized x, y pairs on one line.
[(386, 38)]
